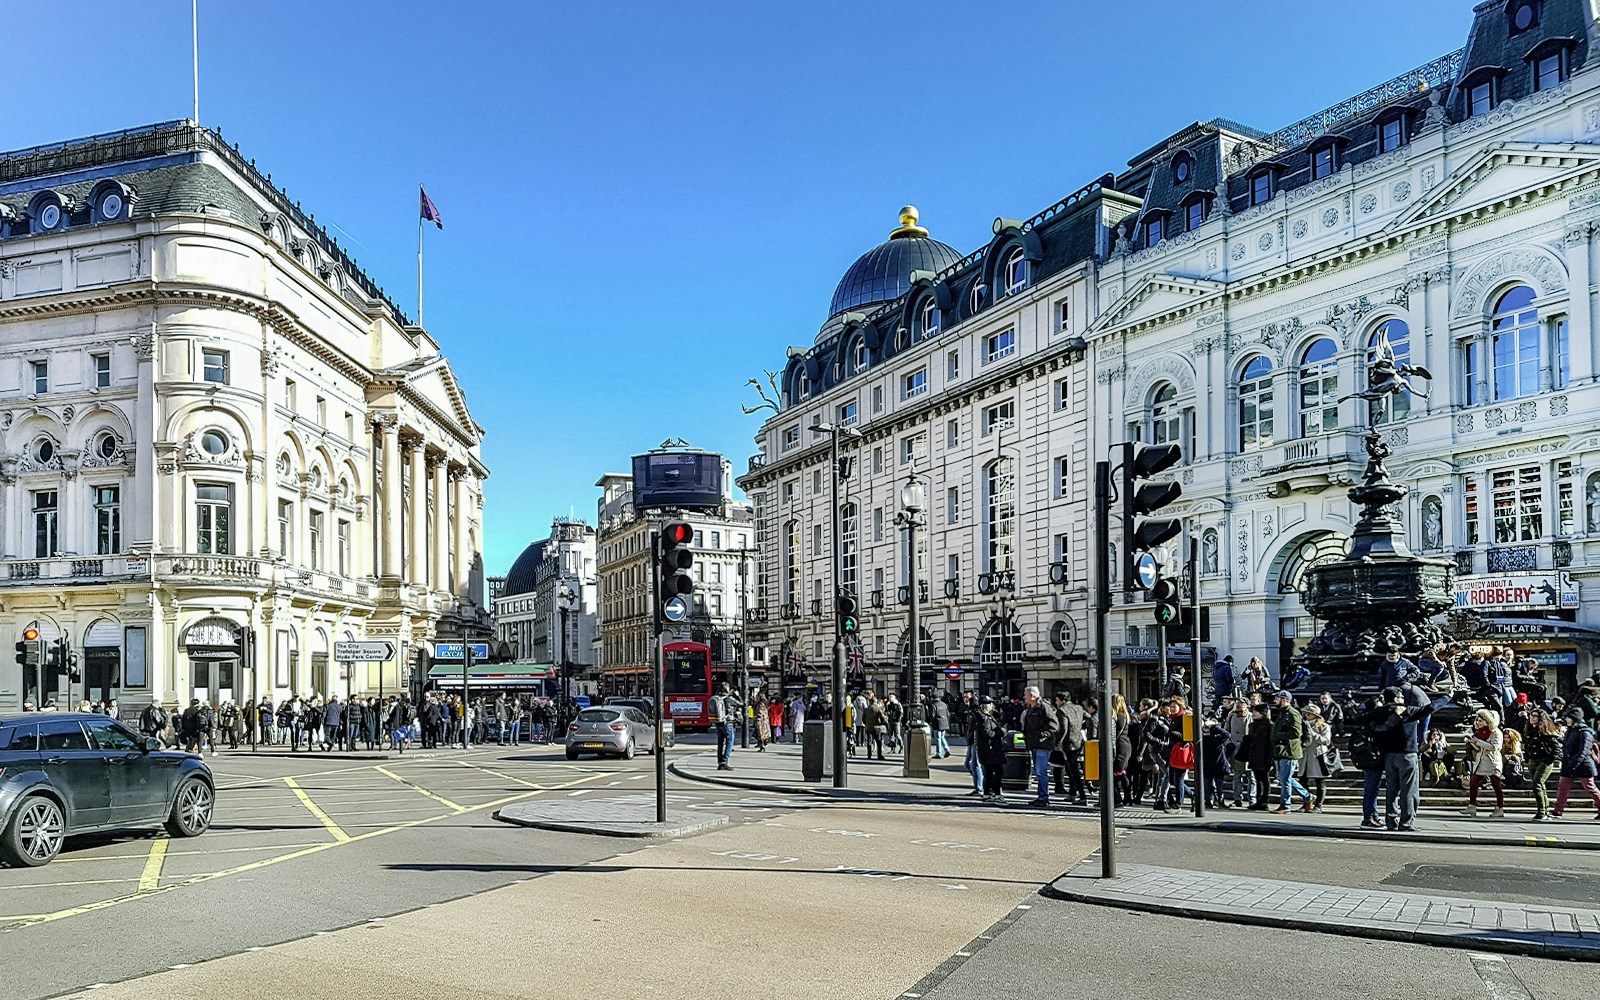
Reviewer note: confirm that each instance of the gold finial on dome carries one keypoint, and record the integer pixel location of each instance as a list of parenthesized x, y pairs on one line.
[(908, 224)]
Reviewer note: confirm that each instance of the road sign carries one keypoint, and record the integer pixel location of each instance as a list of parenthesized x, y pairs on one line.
[(675, 610), (953, 672), (454, 651), (363, 652), (1147, 570)]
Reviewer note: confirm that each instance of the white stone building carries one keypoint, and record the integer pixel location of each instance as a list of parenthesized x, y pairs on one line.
[(1230, 285), (214, 426), (528, 610)]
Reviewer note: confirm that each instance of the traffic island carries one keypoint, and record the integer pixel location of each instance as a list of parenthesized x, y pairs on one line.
[(606, 819), (1448, 921)]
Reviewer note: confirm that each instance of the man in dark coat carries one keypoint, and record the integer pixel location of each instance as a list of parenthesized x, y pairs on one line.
[(1069, 750), (1041, 728)]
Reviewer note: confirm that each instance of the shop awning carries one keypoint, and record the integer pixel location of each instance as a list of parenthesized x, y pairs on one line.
[(500, 675)]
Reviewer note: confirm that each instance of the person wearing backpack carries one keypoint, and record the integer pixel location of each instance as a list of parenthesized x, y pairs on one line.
[(1580, 762), (1543, 745), (1368, 759)]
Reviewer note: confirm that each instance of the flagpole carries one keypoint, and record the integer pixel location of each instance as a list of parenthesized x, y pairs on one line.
[(420, 221), (194, 24)]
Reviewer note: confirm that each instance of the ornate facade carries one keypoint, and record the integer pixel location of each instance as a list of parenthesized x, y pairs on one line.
[(224, 449), (1234, 284)]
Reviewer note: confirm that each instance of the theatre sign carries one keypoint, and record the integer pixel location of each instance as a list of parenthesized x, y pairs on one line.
[(1517, 592)]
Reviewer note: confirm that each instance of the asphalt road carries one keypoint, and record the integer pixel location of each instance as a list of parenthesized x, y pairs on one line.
[(301, 846)]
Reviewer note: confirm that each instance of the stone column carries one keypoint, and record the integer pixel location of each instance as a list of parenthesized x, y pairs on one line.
[(417, 540), (386, 427), (1580, 317), (441, 527), (460, 520)]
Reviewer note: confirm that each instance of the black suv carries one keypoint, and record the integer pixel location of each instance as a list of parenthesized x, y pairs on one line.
[(66, 773)]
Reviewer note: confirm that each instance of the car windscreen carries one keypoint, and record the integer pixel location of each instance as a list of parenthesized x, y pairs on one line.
[(597, 715)]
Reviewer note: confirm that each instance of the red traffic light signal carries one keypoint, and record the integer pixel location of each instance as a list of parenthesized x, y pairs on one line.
[(30, 635), (678, 533)]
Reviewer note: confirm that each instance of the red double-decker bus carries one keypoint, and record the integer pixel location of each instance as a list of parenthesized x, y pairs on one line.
[(687, 685)]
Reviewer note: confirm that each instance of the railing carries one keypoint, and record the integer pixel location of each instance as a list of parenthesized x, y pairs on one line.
[(1339, 446), (1442, 70), (23, 571), (88, 567), (215, 566), (757, 462), (67, 568), (1508, 559)]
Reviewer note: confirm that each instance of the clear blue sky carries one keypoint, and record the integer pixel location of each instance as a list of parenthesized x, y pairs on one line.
[(632, 188)]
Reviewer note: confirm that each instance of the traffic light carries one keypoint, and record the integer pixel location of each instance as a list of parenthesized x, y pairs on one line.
[(1140, 532), (848, 622), (28, 659), (58, 656), (676, 560), (1165, 594)]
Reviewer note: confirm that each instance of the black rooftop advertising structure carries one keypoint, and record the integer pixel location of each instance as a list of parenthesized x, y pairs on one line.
[(677, 479)]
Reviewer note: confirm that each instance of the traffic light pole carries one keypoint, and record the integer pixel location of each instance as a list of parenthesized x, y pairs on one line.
[(1194, 678), (840, 775), (658, 674), (1102, 648)]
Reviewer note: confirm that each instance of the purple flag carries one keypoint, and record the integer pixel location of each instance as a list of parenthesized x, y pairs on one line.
[(429, 211)]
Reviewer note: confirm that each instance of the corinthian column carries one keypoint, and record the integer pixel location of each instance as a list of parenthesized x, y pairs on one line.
[(386, 426), (441, 527), (417, 542), (460, 520)]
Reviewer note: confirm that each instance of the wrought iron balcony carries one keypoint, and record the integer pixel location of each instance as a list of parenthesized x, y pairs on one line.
[(1508, 559), (952, 587)]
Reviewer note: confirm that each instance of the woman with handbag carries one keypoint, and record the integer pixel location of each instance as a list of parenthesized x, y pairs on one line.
[(1488, 760), (1177, 754), (1153, 750), (1316, 742), (1122, 754), (1258, 754)]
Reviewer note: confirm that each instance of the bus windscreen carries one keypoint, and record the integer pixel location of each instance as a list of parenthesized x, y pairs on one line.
[(686, 672)]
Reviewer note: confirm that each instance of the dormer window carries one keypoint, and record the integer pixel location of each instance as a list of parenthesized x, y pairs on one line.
[(858, 359), (1195, 211), (930, 318), (1153, 231), (1523, 15), (975, 300), (1182, 168), (1550, 63), (1391, 134), (1261, 187), (1016, 271), (1482, 93), (1324, 161)]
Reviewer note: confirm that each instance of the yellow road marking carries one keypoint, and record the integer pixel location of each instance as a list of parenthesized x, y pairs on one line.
[(316, 810), (67, 885), (498, 774), (17, 923), (412, 784), (150, 878), (176, 854)]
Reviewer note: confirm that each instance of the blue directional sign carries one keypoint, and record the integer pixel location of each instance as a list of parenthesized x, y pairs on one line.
[(454, 651)]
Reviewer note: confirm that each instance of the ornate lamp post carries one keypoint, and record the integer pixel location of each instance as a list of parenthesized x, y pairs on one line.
[(913, 501), (565, 599)]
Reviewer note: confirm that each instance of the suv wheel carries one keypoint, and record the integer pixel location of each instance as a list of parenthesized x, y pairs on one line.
[(191, 810), (35, 833)]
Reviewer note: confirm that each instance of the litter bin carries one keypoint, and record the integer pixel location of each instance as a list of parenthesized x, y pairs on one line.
[(816, 751), (917, 740), (1018, 772)]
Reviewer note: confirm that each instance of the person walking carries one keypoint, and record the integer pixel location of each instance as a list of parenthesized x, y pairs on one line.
[(775, 718), (722, 722), (1287, 745), (1236, 723), (876, 725), (1367, 756), (1223, 682), (797, 718), (1544, 754), (1069, 780), (972, 733), (1488, 762), (1040, 729), (939, 718), (763, 724), (1578, 765), (991, 736), (153, 720)]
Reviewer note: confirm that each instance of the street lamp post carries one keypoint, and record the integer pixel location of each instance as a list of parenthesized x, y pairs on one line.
[(913, 501), (564, 601), (840, 470), (744, 648)]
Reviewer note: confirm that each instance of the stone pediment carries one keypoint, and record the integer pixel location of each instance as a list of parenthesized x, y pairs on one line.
[(435, 384), (1155, 298), (1425, 469), (1507, 170)]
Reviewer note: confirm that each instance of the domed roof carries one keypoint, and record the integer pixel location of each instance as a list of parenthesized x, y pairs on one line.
[(883, 273), (520, 577)]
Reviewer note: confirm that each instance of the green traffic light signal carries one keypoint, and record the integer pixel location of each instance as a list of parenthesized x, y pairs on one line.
[(851, 624), (1165, 594)]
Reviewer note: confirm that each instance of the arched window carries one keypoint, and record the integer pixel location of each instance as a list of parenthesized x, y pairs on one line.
[(930, 318), (849, 558), (1319, 389), (975, 299), (858, 358), (1166, 419), (1396, 405), (1255, 404), (999, 515), (1016, 271), (803, 383), (1514, 344)]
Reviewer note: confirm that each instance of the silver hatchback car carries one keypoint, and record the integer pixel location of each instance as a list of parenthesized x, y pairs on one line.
[(614, 730)]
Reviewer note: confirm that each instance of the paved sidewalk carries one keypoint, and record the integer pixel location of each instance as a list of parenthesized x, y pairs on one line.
[(777, 769), (1457, 922)]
